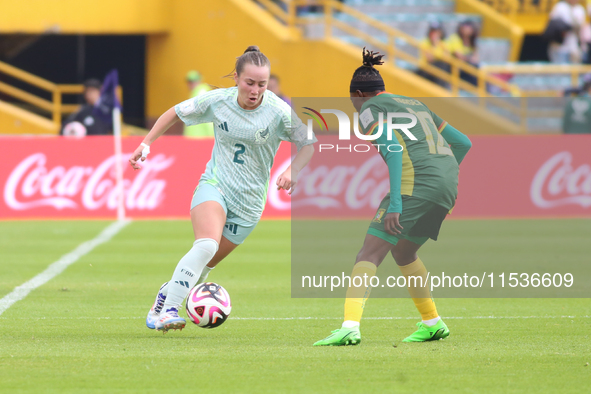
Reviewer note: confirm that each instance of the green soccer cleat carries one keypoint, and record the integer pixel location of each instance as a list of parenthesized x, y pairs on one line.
[(426, 333), (341, 337)]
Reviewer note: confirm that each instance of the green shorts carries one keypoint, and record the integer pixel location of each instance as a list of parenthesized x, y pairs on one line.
[(236, 228), (420, 219)]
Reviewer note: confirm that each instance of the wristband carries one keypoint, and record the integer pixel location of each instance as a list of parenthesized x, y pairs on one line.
[(146, 150)]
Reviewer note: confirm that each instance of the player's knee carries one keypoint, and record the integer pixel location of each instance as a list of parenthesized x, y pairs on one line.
[(207, 245), (370, 255), (403, 257)]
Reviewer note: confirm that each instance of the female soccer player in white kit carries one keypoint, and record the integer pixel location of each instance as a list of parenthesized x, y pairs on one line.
[(249, 122)]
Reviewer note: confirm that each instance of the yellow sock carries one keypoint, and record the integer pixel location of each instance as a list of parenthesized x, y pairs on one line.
[(421, 296), (356, 296)]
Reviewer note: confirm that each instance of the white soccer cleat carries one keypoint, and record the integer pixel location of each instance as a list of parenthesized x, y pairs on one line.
[(154, 313), (170, 320)]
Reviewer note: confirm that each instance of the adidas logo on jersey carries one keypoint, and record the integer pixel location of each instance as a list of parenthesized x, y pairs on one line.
[(224, 126)]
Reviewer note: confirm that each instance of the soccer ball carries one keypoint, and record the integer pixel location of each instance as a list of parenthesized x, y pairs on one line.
[(208, 305)]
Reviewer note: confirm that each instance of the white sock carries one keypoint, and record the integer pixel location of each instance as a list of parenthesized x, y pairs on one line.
[(204, 273), (431, 322), (202, 278), (188, 271), (164, 289), (350, 324)]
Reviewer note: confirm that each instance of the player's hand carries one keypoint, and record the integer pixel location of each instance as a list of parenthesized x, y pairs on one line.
[(287, 180), (392, 223), (140, 153)]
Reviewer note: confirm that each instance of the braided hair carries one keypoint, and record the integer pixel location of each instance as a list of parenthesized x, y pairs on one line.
[(367, 78)]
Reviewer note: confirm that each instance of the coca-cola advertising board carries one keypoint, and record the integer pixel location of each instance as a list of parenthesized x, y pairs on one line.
[(76, 178), (502, 176)]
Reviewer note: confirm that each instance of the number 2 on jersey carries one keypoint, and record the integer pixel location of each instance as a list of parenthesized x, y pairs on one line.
[(241, 149)]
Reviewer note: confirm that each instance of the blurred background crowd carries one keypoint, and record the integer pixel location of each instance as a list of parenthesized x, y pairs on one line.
[(525, 62)]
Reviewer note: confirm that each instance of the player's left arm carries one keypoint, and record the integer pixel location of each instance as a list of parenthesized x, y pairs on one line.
[(294, 131), (458, 142), (288, 179)]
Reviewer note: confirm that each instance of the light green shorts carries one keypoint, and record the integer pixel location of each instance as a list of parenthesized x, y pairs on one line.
[(236, 228)]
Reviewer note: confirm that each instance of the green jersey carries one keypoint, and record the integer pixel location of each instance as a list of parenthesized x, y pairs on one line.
[(423, 168), (577, 116)]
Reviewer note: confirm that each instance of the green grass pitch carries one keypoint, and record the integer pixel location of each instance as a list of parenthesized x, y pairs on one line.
[(84, 331)]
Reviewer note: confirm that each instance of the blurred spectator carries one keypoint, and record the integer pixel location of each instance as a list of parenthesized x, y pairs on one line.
[(577, 112), (311, 6), (572, 16), (196, 88), (433, 48), (274, 85), (586, 38), (84, 121), (463, 46)]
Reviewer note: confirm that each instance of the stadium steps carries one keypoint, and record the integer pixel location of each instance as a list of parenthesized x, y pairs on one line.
[(413, 17), (16, 120), (539, 81), (404, 6), (28, 111)]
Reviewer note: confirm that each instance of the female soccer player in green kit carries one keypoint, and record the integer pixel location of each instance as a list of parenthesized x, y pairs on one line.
[(250, 123), (423, 189)]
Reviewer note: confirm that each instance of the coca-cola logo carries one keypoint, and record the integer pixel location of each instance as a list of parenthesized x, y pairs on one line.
[(355, 186), (31, 184), (559, 183)]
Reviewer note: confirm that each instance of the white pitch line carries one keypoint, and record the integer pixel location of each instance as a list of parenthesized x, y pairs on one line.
[(307, 318), (60, 265)]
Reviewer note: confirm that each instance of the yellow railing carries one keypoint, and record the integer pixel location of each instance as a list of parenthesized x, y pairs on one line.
[(485, 75), (573, 70), (288, 15), (54, 107), (514, 7), (518, 104), (521, 108)]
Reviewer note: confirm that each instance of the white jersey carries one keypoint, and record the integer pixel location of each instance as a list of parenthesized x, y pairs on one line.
[(246, 142)]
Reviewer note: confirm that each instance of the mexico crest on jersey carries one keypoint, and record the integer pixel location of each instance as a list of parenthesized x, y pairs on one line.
[(261, 136)]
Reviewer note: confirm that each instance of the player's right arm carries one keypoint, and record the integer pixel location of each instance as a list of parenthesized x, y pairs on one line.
[(164, 122), (391, 152), (193, 111)]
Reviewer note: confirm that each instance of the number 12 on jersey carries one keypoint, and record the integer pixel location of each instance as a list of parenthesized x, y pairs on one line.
[(430, 129)]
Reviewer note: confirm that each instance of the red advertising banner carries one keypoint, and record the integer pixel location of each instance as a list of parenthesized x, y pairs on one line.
[(526, 176), (502, 176), (61, 177)]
